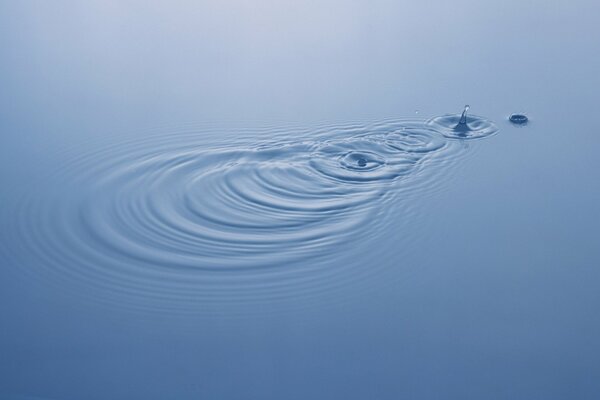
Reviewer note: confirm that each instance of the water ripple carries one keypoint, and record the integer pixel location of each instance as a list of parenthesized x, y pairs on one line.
[(184, 219), (474, 127)]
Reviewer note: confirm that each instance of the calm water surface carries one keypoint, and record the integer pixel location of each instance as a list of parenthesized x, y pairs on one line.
[(273, 201)]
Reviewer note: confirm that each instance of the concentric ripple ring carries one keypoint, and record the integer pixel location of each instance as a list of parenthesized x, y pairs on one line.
[(177, 221)]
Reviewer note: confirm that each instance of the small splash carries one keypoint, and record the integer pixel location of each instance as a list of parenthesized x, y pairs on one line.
[(463, 117), (463, 126), (518, 119), (363, 161), (376, 156)]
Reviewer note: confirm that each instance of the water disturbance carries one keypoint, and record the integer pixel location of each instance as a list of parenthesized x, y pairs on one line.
[(518, 119), (463, 126), (184, 218)]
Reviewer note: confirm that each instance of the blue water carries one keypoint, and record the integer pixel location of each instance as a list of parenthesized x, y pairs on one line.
[(230, 200)]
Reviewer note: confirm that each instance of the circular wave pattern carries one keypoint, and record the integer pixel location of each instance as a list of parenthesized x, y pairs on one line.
[(362, 161), (451, 127), (185, 221)]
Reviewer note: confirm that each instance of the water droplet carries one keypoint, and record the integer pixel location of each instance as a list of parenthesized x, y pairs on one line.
[(463, 117), (463, 126), (362, 161), (518, 119)]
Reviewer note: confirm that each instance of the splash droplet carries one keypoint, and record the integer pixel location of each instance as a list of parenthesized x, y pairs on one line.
[(463, 126), (463, 117), (362, 161)]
